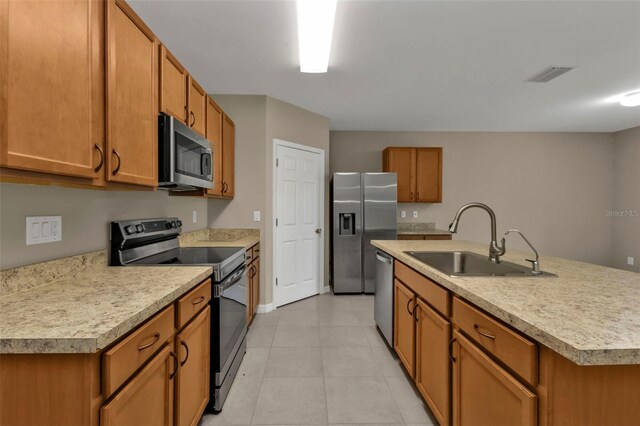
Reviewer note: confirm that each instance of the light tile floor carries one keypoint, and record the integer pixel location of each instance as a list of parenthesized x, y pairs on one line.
[(320, 361)]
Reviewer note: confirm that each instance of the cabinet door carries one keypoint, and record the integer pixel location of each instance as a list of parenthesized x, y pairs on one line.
[(197, 107), (429, 175), (484, 393), (132, 98), (51, 81), (404, 326), (147, 399), (173, 86), (192, 385), (214, 135), (433, 334), (255, 287), (403, 162), (228, 156)]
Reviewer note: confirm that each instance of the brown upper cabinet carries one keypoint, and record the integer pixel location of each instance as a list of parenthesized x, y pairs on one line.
[(214, 136), (173, 86), (197, 107), (419, 173), (228, 156), (51, 87), (132, 98)]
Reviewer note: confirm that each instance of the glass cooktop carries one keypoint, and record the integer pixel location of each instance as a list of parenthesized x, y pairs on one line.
[(193, 256)]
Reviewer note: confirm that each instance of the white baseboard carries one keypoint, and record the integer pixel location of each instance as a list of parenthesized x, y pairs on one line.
[(326, 289), (263, 309)]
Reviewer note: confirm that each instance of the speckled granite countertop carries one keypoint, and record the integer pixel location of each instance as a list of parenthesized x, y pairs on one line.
[(590, 314), (420, 228), (245, 242), (87, 311)]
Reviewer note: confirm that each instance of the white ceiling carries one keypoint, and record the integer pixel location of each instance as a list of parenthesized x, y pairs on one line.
[(421, 65)]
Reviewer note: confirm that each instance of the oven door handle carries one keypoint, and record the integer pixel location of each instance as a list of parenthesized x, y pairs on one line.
[(220, 288)]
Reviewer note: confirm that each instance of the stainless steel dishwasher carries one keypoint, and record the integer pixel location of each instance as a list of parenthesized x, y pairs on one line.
[(383, 309)]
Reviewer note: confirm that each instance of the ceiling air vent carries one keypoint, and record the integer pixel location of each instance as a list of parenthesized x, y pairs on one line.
[(548, 74)]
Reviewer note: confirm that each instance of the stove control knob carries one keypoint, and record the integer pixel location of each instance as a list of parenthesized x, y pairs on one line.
[(168, 225), (174, 224), (179, 223), (139, 229), (129, 229)]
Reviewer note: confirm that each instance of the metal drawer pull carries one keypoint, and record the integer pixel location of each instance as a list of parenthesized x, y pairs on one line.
[(117, 169), (99, 166), (476, 327), (451, 350), (414, 313), (187, 355), (156, 337), (175, 365), (409, 310), (198, 301)]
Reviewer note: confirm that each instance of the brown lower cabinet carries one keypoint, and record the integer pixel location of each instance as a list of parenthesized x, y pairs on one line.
[(404, 326), (253, 283), (148, 398), (486, 394), (192, 380)]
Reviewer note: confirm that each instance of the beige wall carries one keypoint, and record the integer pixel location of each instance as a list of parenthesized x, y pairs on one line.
[(260, 119), (85, 218), (554, 187), (626, 199)]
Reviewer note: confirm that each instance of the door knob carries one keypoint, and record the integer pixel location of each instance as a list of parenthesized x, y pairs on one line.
[(318, 231)]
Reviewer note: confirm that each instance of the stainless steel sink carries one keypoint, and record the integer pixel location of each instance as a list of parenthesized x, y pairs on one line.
[(469, 264)]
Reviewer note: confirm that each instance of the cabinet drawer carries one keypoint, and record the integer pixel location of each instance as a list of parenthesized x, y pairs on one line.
[(256, 251), (192, 303), (432, 293), (122, 360), (515, 351)]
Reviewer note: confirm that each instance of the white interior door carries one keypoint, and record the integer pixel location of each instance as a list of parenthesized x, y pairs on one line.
[(299, 196)]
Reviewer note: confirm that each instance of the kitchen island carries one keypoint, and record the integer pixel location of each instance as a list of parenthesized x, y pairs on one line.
[(532, 350)]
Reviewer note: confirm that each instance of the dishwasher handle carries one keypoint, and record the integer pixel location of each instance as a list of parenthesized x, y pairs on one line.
[(382, 258)]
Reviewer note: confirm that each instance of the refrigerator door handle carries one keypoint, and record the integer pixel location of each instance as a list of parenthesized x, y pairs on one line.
[(382, 258)]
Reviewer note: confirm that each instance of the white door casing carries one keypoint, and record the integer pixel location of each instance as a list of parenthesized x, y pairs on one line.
[(299, 213)]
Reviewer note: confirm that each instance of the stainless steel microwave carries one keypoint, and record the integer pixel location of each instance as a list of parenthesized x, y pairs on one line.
[(184, 157)]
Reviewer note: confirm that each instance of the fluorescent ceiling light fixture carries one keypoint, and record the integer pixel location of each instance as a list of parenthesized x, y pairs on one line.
[(631, 99), (315, 29)]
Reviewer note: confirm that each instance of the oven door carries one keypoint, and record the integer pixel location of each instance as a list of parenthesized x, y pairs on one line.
[(229, 321)]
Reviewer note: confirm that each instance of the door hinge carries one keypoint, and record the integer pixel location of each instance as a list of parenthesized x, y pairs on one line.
[(277, 162), (276, 221), (276, 282)]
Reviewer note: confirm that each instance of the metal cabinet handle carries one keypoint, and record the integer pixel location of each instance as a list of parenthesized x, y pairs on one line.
[(413, 311), (194, 118), (409, 310), (451, 350), (117, 169), (198, 301), (417, 195), (175, 365), (156, 337), (476, 327), (99, 166), (186, 348), (186, 114), (411, 195)]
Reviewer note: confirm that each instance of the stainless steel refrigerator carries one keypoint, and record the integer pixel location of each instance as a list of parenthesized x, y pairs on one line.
[(363, 208)]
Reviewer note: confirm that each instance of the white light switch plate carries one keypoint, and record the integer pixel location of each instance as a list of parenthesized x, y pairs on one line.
[(43, 229), (415, 214), (403, 213), (631, 261), (256, 216)]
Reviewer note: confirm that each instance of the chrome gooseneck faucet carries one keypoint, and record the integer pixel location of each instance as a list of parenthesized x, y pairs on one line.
[(535, 264), (495, 250)]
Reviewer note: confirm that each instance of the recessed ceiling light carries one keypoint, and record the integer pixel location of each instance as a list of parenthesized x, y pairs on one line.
[(631, 99), (315, 29)]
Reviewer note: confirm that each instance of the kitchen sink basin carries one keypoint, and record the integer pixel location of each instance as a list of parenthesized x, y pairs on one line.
[(469, 264)]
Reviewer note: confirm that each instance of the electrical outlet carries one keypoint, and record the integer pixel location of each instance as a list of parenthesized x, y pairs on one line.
[(415, 214), (631, 260), (403, 213), (43, 229), (256, 216), (195, 216)]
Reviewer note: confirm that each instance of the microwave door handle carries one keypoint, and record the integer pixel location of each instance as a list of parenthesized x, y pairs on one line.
[(205, 163)]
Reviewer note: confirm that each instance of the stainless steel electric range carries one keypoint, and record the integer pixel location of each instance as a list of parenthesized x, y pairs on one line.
[(155, 242)]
